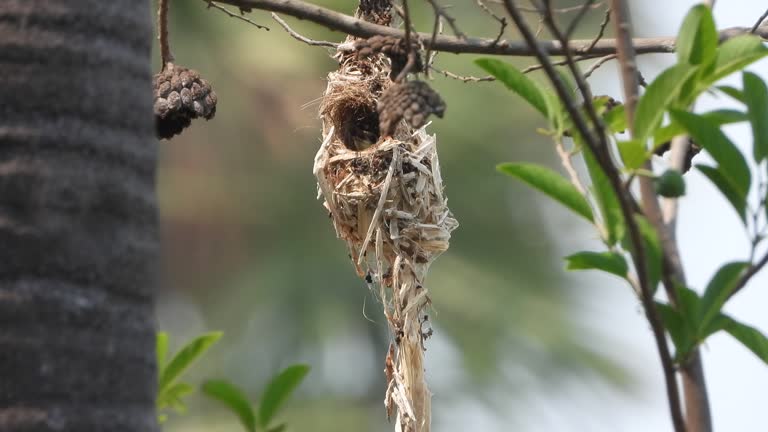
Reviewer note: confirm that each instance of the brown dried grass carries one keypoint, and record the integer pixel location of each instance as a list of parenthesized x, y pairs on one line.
[(387, 203)]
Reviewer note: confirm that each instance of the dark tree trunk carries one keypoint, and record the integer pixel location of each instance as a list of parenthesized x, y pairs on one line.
[(78, 223)]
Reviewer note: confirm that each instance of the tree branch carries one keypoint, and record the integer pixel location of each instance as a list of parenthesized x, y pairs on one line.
[(629, 78), (471, 45), (598, 146)]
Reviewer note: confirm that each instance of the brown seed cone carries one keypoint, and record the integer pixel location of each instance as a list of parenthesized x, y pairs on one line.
[(392, 47), (181, 95), (413, 101)]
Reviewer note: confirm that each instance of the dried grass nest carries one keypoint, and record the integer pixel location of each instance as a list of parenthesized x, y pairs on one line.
[(385, 197)]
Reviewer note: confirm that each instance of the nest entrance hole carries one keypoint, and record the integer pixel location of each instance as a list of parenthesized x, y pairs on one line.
[(357, 124)]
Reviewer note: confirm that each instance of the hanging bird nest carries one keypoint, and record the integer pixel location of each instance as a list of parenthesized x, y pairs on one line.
[(385, 197)]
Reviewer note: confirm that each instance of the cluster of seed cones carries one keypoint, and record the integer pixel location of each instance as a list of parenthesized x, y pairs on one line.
[(181, 96), (395, 49), (412, 101)]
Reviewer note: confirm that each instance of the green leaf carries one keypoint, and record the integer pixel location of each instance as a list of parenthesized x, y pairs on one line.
[(161, 350), (606, 199), (678, 330), (733, 92), (231, 396), (556, 114), (186, 356), (616, 119), (749, 336), (633, 153), (756, 99), (734, 55), (737, 200), (724, 116), (278, 428), (719, 117), (278, 391), (600, 104), (550, 183), (718, 290), (610, 262), (516, 81), (682, 322), (689, 305), (732, 163), (171, 397), (698, 38), (653, 252), (660, 94)]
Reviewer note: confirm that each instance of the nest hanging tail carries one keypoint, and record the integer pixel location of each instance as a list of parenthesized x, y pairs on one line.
[(381, 183)]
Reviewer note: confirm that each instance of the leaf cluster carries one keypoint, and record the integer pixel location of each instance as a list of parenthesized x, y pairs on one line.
[(663, 113), (171, 390)]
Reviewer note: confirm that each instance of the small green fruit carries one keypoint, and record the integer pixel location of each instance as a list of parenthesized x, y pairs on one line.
[(670, 184)]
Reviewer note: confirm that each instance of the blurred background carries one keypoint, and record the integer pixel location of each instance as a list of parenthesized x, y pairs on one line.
[(519, 344)]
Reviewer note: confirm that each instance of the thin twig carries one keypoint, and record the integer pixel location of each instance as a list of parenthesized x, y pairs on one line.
[(581, 82), (401, 13), (363, 29), (596, 65), (759, 21), (435, 29), (557, 11), (212, 4), (411, 63), (576, 20), (752, 270), (641, 79), (433, 54), (407, 19), (462, 77), (565, 159), (299, 37), (601, 32), (626, 56), (502, 20), (439, 10), (536, 67), (162, 33)]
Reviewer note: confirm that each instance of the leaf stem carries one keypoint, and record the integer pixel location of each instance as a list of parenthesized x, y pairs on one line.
[(162, 32)]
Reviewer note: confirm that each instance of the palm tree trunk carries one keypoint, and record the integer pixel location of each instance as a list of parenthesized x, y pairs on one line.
[(78, 217)]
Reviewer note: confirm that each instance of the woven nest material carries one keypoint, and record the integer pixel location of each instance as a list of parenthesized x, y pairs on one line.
[(386, 199)]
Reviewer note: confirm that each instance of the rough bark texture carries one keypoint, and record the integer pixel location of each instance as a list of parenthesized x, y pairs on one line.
[(78, 222)]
